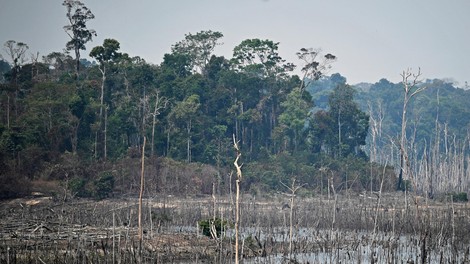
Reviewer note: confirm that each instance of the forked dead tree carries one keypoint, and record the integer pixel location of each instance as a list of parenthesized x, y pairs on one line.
[(237, 196), (161, 102), (293, 189), (410, 83)]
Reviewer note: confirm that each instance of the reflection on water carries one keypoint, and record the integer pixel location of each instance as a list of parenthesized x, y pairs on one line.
[(334, 246)]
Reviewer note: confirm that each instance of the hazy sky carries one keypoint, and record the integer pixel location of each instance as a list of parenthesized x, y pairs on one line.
[(372, 39)]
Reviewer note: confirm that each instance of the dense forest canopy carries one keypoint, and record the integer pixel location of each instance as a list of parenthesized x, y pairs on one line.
[(81, 124)]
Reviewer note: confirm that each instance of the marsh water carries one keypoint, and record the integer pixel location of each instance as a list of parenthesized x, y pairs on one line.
[(346, 229)]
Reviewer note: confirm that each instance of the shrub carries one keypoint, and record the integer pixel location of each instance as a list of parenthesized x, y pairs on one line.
[(458, 197), (162, 215), (77, 187), (103, 186), (205, 226), (406, 185), (13, 186)]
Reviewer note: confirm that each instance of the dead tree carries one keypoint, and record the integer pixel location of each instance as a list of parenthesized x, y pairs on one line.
[(410, 82), (160, 103), (293, 189), (141, 190), (16, 51), (237, 195)]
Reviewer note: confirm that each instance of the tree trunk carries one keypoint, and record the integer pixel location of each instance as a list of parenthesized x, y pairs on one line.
[(141, 190), (408, 94), (77, 63), (8, 111), (103, 80), (188, 143), (153, 135), (105, 133), (237, 198)]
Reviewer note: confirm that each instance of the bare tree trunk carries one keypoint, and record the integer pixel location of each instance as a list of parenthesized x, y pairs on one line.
[(160, 103), (168, 129), (378, 199), (409, 81), (141, 190), (103, 80), (213, 224), (77, 63), (152, 147), (237, 197), (74, 135), (8, 111), (339, 133), (188, 143), (293, 189), (95, 154), (105, 150)]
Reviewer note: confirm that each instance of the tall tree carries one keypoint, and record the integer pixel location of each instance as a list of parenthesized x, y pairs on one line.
[(4, 68), (294, 117), (161, 103), (16, 51), (410, 83), (78, 15), (352, 124), (185, 112), (343, 128), (105, 54), (60, 65), (313, 69), (198, 48), (260, 60)]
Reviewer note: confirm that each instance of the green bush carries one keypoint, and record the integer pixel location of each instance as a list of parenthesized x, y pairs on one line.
[(77, 186), (205, 226), (406, 185), (103, 186), (458, 197)]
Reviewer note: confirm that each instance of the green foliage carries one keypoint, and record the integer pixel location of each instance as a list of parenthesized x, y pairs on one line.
[(55, 127), (341, 130), (293, 119), (458, 197), (198, 48), (440, 105), (100, 188), (78, 15), (106, 52), (103, 186), (77, 187), (268, 175), (260, 57), (10, 142), (4, 68), (406, 185), (219, 225)]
